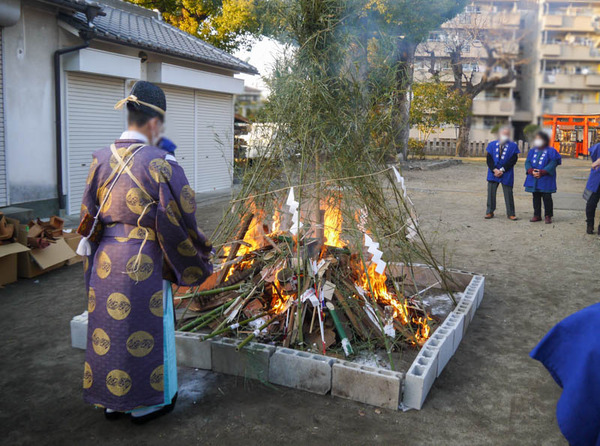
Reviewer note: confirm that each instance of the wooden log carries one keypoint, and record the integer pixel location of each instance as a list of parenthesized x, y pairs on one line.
[(235, 247), (358, 327)]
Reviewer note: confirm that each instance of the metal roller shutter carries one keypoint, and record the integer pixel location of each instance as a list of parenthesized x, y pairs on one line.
[(214, 129), (92, 123), (180, 128), (3, 187)]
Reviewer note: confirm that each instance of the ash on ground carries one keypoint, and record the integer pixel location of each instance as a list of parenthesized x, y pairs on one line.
[(440, 304)]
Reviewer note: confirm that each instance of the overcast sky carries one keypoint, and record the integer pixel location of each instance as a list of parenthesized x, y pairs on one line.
[(262, 55)]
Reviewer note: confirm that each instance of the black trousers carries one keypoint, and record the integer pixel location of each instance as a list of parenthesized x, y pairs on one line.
[(509, 200), (590, 207), (548, 204)]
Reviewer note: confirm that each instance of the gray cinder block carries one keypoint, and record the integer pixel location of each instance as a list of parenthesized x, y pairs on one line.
[(301, 370), (420, 378), (369, 385), (251, 362), (443, 338), (457, 323), (79, 325), (192, 351)]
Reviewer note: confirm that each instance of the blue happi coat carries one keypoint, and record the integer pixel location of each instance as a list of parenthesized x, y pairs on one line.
[(571, 353), (593, 183), (501, 157), (543, 159)]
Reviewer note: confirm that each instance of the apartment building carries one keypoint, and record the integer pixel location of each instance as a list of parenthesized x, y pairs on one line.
[(555, 45)]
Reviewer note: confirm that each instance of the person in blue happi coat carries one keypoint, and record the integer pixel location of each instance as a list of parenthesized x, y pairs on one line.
[(592, 189), (502, 155), (571, 353), (540, 166)]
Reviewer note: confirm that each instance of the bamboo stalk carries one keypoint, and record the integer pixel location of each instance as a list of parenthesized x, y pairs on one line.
[(251, 336), (203, 317), (212, 292), (239, 324)]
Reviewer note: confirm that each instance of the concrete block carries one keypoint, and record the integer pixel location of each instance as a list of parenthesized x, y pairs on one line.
[(369, 385), (192, 351), (479, 282), (301, 370), (457, 323), (79, 325), (420, 377), (251, 362)]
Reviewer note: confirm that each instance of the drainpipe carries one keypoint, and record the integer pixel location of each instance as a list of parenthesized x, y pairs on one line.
[(87, 37)]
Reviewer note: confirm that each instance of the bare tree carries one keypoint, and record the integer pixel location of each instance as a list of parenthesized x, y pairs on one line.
[(482, 50)]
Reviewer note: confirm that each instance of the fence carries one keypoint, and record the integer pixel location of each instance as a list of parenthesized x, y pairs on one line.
[(447, 147)]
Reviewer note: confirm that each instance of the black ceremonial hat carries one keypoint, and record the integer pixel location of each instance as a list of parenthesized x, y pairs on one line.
[(147, 98)]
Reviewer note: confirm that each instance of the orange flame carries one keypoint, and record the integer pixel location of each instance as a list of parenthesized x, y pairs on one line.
[(333, 227), (377, 283), (276, 227)]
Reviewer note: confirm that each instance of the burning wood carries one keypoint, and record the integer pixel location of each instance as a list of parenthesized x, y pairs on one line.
[(307, 288)]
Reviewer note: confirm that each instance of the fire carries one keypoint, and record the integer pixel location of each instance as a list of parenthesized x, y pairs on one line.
[(278, 303), (333, 226), (371, 280), (276, 222)]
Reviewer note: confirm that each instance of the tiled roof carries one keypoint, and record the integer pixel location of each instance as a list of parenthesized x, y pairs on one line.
[(145, 31)]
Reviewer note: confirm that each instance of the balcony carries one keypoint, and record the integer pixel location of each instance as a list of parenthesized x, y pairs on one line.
[(570, 108), (565, 51), (569, 81), (493, 107), (578, 23), (485, 20)]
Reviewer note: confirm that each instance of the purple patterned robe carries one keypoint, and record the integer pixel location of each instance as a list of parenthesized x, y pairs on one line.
[(149, 226)]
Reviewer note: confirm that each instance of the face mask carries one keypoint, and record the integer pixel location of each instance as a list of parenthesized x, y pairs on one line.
[(539, 143), (503, 138)]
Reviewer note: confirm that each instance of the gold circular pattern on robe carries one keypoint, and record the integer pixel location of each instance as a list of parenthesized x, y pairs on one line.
[(157, 378), (160, 170), (91, 300), (84, 209), (88, 377), (188, 199), (137, 200), (173, 214), (140, 233), (191, 274), (186, 248), (193, 234), (118, 382), (118, 306), (86, 263), (101, 194), (156, 304), (139, 270), (92, 172), (140, 343), (122, 239), (100, 342), (104, 265), (124, 154)]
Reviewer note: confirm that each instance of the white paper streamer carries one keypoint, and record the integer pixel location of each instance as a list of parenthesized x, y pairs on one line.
[(373, 248), (256, 332), (234, 326), (311, 296), (347, 347), (293, 209), (389, 330)]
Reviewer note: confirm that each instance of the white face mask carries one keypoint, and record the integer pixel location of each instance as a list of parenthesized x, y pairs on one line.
[(503, 138), (538, 142)]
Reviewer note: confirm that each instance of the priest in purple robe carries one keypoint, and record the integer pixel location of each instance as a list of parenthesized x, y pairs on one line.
[(146, 209)]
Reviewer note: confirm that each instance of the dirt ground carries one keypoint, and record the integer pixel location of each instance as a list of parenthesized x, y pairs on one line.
[(490, 393)]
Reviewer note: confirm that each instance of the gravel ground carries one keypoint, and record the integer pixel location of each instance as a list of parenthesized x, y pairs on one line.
[(490, 393)]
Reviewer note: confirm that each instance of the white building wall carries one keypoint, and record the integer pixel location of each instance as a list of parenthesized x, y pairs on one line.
[(29, 105)]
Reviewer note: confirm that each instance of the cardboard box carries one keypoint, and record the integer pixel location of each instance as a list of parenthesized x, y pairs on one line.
[(39, 261), (8, 261), (72, 239)]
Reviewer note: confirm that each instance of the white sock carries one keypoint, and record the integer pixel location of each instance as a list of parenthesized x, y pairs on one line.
[(143, 411), (110, 410)]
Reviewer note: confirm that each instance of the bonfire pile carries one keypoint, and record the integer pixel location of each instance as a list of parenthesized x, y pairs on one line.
[(304, 287)]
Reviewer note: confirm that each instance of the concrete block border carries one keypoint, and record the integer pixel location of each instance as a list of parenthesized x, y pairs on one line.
[(322, 374)]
